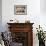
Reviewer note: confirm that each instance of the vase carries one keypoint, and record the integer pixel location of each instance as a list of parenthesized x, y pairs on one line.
[(41, 43)]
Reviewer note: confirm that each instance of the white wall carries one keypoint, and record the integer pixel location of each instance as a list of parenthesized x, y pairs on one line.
[(0, 15), (43, 6), (33, 11), (43, 14), (34, 14)]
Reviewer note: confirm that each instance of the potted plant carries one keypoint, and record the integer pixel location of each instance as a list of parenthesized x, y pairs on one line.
[(41, 36)]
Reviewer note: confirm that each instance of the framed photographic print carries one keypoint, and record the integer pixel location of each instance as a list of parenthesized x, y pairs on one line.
[(20, 9)]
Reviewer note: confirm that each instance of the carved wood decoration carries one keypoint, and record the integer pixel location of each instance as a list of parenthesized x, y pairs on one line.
[(22, 33)]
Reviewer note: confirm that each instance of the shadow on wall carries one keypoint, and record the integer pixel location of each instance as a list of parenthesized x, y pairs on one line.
[(43, 6)]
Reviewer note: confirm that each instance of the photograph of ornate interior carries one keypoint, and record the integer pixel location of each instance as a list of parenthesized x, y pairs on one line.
[(22, 23)]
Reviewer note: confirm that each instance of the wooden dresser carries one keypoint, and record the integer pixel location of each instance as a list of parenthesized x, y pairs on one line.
[(22, 33)]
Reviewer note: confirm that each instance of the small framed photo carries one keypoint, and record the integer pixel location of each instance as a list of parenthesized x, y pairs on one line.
[(20, 9)]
